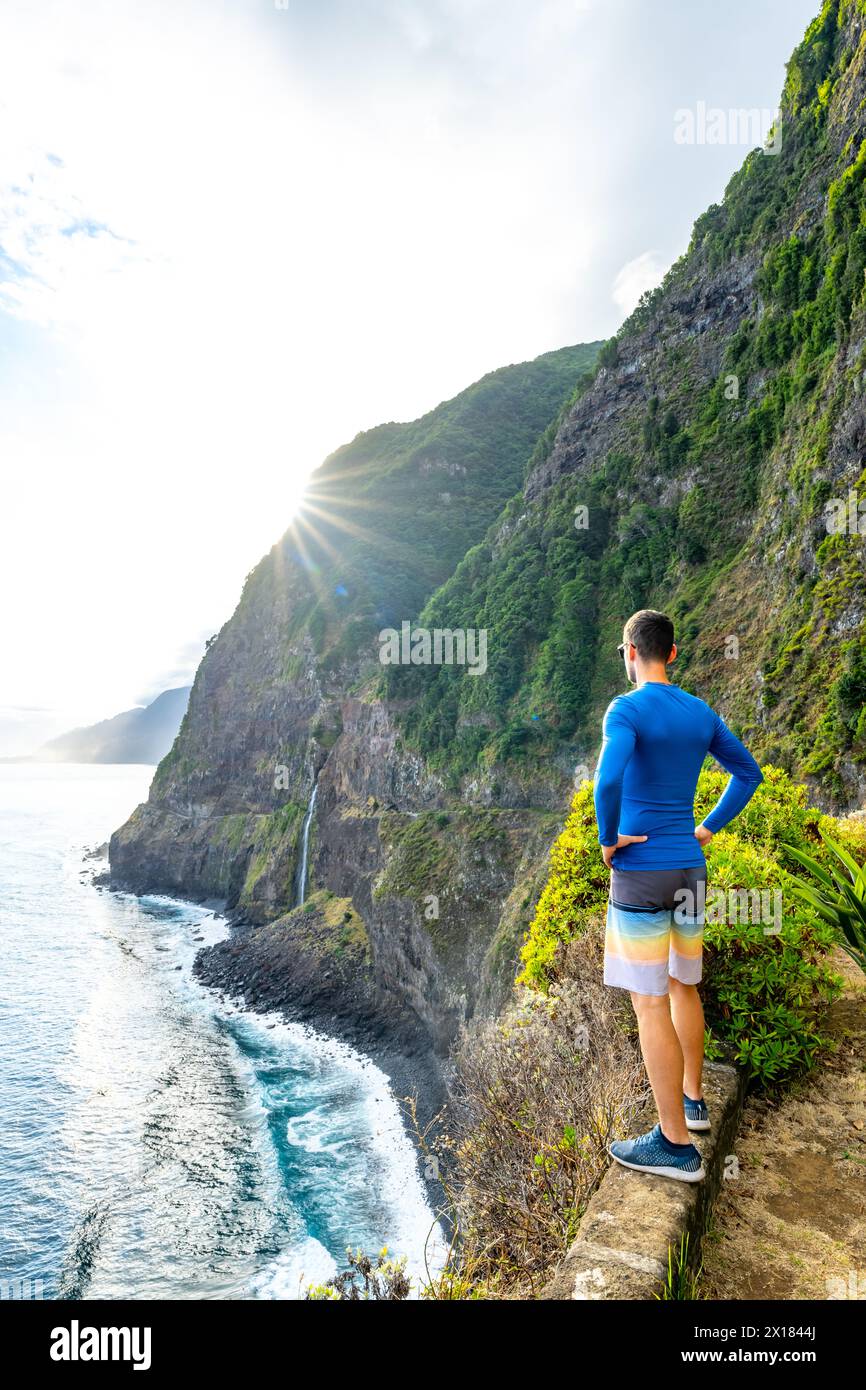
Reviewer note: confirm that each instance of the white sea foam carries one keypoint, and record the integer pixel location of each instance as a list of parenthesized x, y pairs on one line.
[(288, 1276), (408, 1224)]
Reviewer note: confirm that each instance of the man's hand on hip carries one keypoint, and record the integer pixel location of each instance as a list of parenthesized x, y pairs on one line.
[(703, 835), (608, 851)]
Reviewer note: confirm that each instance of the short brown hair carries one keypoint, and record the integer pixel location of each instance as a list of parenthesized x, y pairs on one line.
[(652, 633)]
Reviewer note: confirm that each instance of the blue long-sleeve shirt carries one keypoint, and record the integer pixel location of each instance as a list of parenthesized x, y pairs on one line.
[(655, 740)]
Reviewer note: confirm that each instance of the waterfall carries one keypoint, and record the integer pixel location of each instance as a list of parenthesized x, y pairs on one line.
[(301, 874)]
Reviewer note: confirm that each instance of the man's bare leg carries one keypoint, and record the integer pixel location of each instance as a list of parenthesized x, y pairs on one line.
[(663, 1059), (687, 1016)]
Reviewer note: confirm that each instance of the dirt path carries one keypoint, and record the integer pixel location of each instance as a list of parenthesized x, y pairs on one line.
[(792, 1224)]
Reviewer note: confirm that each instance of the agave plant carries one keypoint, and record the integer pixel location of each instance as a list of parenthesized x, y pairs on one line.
[(839, 895)]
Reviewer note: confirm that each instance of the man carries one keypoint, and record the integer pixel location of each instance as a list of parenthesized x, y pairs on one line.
[(655, 740)]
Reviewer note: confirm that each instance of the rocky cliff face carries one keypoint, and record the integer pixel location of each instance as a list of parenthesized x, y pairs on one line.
[(693, 471), (285, 700), (700, 472)]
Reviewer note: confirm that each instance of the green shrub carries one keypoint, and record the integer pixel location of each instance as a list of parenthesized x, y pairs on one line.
[(383, 1280), (576, 888), (838, 895), (609, 354)]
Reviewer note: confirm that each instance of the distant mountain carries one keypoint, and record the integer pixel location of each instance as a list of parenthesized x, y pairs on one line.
[(141, 735)]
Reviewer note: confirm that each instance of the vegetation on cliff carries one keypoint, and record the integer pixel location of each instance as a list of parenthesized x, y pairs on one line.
[(387, 518), (730, 437)]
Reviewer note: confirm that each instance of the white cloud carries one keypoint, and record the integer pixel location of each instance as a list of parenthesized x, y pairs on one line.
[(58, 257), (637, 276)]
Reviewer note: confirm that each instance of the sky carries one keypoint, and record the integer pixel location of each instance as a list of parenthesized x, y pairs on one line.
[(235, 233)]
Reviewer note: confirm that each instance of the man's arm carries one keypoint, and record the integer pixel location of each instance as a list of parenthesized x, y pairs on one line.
[(746, 777), (617, 746)]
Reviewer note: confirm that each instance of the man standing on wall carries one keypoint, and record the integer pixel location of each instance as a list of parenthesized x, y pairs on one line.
[(655, 740)]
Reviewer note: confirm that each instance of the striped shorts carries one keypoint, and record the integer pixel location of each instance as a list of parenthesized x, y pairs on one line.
[(655, 928)]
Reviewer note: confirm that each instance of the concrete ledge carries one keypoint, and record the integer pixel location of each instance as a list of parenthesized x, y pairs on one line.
[(632, 1219)]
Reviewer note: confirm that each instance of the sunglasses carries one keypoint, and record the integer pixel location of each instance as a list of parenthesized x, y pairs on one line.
[(622, 646)]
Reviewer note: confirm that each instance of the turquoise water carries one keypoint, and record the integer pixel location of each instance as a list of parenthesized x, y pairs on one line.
[(157, 1142)]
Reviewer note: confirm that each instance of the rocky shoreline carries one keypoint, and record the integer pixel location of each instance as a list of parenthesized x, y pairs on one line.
[(271, 969), (346, 1009)]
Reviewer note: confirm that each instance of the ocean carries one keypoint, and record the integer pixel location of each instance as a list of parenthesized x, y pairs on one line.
[(156, 1142)]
